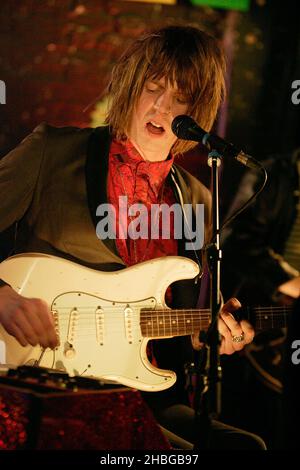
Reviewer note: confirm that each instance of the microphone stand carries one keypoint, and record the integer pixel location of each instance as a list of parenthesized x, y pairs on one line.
[(214, 254), (208, 370)]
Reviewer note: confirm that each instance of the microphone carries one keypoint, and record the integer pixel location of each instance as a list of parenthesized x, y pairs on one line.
[(184, 127)]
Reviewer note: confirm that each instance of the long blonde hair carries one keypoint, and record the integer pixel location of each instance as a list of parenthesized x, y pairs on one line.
[(185, 56)]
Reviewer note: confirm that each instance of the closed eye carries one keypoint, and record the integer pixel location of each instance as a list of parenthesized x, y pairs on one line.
[(182, 100), (152, 88)]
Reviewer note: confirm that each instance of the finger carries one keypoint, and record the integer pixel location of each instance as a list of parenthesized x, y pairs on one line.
[(15, 331), (248, 330), (21, 323), (232, 324), (196, 342), (227, 346), (232, 305), (34, 319), (44, 323), (228, 332)]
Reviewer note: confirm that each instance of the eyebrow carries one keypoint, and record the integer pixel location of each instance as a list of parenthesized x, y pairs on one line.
[(179, 92), (156, 83)]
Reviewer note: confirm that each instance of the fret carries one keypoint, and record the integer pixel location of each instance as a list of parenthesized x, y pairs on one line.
[(149, 325), (153, 320), (192, 322), (260, 321), (272, 316), (169, 321), (184, 319), (173, 322), (189, 322), (162, 322)]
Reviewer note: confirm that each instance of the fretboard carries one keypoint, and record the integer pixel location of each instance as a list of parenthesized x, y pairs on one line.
[(166, 322), (266, 318), (180, 322)]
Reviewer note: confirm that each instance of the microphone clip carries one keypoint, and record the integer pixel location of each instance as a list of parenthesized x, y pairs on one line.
[(214, 155)]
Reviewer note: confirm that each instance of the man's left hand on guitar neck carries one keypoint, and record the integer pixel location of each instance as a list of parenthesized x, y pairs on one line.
[(234, 334)]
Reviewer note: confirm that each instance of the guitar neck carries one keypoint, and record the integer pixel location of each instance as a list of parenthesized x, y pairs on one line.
[(266, 318), (165, 323), (180, 322)]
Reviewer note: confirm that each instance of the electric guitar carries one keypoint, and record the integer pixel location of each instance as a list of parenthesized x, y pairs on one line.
[(104, 320)]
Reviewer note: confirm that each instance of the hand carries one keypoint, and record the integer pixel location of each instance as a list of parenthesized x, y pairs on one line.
[(229, 327), (28, 320), (291, 288)]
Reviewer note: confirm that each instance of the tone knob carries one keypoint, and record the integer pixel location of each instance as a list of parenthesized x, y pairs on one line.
[(69, 354)]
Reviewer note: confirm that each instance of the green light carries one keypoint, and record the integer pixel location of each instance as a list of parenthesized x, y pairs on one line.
[(242, 5)]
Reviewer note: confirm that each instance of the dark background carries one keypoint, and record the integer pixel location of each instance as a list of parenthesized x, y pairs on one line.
[(56, 57)]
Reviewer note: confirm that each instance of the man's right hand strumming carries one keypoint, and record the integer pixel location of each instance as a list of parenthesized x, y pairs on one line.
[(30, 321)]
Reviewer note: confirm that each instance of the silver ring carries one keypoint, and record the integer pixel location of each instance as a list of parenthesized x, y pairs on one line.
[(238, 338)]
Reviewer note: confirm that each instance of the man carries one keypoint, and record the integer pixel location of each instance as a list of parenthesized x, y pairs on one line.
[(57, 178)]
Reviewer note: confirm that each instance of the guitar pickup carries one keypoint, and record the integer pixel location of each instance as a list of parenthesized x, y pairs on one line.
[(128, 317), (99, 319), (73, 318)]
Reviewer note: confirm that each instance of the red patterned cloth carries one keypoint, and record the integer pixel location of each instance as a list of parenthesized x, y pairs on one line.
[(143, 182)]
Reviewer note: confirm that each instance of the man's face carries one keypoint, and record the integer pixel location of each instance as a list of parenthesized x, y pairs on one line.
[(150, 129)]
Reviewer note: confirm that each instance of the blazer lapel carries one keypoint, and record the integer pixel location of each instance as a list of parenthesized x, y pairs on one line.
[(96, 173), (184, 198), (182, 185)]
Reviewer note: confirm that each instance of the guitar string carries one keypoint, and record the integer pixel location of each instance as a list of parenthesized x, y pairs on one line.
[(144, 318), (167, 310), (179, 326), (153, 315)]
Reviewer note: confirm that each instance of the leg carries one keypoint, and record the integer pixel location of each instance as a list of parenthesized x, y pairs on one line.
[(179, 419)]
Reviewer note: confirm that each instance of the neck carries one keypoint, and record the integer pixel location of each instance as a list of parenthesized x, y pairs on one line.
[(150, 155), (164, 323)]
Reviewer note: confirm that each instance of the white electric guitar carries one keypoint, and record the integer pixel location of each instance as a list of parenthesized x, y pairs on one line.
[(105, 319)]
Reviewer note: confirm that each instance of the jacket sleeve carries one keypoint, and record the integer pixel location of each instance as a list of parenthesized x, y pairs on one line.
[(248, 257), (19, 171)]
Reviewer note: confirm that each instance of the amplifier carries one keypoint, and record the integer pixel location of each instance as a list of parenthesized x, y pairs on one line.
[(42, 409)]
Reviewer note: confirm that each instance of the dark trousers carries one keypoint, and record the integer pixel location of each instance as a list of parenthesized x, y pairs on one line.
[(179, 420)]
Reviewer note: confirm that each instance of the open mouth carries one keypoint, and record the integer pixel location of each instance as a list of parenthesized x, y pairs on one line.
[(154, 128)]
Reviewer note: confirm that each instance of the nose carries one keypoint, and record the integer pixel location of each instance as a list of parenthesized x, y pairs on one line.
[(163, 103)]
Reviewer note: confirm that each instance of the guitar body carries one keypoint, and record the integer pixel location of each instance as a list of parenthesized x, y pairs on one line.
[(97, 316)]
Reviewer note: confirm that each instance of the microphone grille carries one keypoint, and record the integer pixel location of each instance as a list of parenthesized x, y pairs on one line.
[(180, 126)]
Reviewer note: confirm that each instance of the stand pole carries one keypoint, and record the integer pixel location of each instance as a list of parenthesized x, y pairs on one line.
[(207, 403), (214, 254)]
